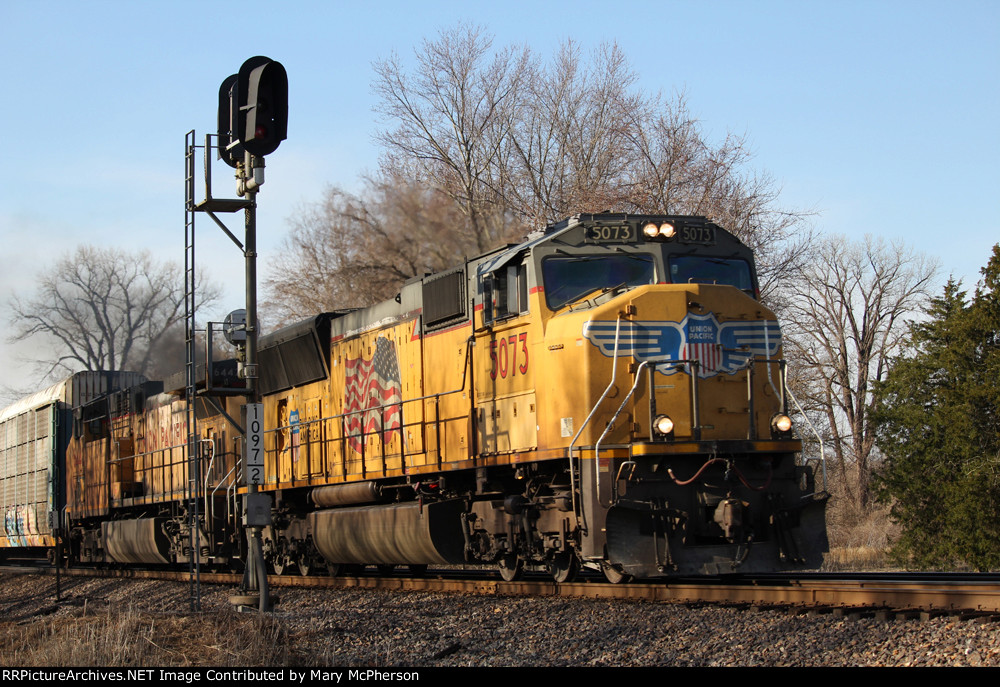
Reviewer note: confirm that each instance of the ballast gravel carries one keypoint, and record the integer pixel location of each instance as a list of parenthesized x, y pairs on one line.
[(361, 627)]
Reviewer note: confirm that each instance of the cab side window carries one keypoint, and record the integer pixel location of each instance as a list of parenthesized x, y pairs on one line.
[(505, 292)]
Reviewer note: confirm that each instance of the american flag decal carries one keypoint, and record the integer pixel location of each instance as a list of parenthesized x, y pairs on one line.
[(373, 395), (708, 354), (701, 343)]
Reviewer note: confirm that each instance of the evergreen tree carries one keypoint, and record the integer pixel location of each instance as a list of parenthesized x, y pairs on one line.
[(938, 420)]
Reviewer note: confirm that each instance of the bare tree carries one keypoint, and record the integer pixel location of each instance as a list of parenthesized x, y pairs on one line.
[(450, 122), (480, 144), (500, 133), (313, 271), (571, 135), (354, 250), (674, 170), (104, 309), (845, 320)]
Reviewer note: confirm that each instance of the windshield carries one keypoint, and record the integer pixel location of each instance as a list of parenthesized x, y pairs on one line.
[(568, 278), (692, 269)]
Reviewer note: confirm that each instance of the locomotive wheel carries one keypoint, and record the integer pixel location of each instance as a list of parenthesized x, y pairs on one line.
[(385, 569), (563, 567), (613, 574), (511, 567), (281, 560), (335, 569), (305, 565)]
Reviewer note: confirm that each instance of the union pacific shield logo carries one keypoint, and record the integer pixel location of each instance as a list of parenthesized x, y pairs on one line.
[(719, 348)]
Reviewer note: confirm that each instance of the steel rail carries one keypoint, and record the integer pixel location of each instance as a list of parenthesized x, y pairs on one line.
[(893, 592)]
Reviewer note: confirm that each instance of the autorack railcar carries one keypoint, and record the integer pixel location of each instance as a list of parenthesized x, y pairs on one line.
[(34, 435)]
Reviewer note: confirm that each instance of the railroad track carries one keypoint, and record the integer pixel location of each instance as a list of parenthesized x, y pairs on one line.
[(886, 595)]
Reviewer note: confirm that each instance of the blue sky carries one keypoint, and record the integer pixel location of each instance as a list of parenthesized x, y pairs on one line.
[(882, 117)]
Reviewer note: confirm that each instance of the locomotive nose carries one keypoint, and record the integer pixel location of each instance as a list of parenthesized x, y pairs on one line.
[(710, 356)]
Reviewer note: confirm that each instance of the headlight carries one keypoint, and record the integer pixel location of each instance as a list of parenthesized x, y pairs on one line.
[(664, 230), (781, 424), (663, 425)]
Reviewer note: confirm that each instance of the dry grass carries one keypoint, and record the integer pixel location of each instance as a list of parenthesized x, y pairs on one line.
[(860, 539), (856, 559), (130, 637), (140, 623)]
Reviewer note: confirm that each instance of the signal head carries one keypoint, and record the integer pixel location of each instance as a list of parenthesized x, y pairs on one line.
[(262, 122)]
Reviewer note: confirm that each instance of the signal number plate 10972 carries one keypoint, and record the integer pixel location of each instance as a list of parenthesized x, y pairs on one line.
[(253, 460), (619, 233)]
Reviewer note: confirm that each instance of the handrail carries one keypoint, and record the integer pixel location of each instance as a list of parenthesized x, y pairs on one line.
[(208, 475), (304, 425), (234, 485), (572, 475), (381, 407), (692, 365), (208, 471), (219, 486), (780, 392), (819, 437), (597, 446)]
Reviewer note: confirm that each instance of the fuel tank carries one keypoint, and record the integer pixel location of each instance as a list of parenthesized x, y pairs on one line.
[(402, 534)]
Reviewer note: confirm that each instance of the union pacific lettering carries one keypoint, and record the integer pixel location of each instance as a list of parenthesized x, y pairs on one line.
[(164, 429)]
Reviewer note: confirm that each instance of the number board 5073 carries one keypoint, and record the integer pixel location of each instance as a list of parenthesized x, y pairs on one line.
[(704, 235), (611, 233)]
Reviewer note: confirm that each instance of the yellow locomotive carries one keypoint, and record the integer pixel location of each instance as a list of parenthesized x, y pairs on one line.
[(609, 393), (131, 494)]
